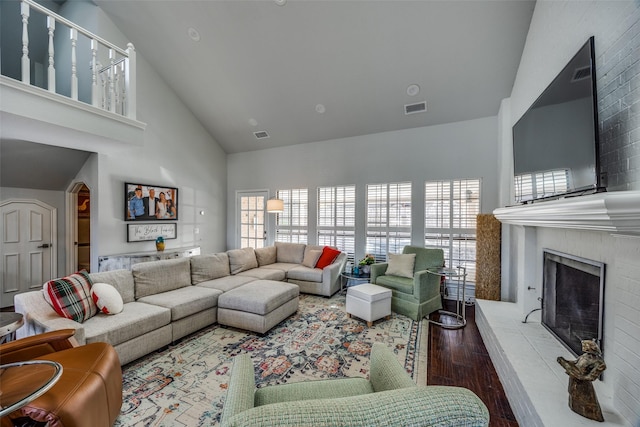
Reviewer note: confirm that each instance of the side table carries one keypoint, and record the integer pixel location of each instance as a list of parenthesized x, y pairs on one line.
[(9, 324), (23, 382), (345, 278), (459, 274)]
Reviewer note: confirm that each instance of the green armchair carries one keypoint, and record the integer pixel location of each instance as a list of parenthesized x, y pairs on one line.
[(418, 296), (389, 397)]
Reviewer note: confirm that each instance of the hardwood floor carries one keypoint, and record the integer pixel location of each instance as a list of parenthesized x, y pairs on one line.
[(459, 358)]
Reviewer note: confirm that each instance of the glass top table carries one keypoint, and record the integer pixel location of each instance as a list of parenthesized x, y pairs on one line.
[(23, 382), (346, 277), (459, 274), (9, 323)]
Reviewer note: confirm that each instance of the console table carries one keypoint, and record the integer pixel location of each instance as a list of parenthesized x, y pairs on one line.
[(125, 261)]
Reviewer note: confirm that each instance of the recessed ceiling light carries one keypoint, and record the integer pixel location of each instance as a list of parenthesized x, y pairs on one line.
[(193, 34), (280, 2), (413, 90), (320, 108), (253, 122)]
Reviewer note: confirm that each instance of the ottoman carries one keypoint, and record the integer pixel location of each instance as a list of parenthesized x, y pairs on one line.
[(259, 305), (369, 302)]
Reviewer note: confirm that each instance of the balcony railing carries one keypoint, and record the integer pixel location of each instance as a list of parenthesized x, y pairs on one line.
[(104, 76)]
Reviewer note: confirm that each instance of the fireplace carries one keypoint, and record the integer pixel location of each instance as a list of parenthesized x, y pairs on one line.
[(572, 299)]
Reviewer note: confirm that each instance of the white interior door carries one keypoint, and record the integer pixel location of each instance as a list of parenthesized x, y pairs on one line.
[(252, 215), (28, 238)]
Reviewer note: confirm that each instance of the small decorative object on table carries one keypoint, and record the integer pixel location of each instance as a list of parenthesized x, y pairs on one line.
[(160, 244), (585, 369), (365, 263)]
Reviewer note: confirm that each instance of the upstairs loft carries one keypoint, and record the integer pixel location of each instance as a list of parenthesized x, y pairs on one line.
[(61, 83)]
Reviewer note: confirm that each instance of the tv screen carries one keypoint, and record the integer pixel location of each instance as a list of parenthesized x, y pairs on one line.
[(555, 143)]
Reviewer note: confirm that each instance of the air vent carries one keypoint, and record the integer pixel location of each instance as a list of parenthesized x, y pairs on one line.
[(581, 74), (420, 107), (261, 134)]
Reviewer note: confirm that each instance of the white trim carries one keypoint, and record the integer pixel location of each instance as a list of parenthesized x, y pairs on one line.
[(616, 212)]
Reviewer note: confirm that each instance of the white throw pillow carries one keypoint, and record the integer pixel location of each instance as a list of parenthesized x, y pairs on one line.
[(107, 298), (401, 265), (311, 257)]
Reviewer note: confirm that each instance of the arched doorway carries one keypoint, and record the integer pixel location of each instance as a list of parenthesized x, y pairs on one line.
[(79, 228)]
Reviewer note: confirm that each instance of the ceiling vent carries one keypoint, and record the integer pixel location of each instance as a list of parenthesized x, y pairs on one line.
[(261, 134), (420, 107), (581, 74)]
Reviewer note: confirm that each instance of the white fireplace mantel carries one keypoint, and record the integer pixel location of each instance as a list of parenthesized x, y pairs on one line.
[(615, 212)]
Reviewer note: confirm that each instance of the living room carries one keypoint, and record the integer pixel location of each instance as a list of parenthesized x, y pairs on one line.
[(177, 150)]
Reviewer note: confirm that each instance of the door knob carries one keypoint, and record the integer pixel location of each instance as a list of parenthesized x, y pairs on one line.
[(44, 246)]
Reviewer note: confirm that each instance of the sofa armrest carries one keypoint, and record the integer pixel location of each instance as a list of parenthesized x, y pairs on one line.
[(416, 406), (331, 274), (386, 372), (427, 285), (40, 317), (35, 346), (242, 386), (378, 269)]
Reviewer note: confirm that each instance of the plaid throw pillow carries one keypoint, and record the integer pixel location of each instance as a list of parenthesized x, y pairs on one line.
[(70, 296)]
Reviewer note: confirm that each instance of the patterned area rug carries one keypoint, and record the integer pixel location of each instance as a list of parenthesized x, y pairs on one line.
[(185, 385)]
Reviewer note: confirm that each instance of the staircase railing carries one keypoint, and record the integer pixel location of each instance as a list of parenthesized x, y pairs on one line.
[(112, 84)]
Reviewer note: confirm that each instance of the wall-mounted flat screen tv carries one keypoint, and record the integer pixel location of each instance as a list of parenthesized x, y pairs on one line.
[(555, 143)]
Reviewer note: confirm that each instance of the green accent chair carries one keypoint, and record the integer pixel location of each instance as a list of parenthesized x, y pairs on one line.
[(389, 397), (419, 296)]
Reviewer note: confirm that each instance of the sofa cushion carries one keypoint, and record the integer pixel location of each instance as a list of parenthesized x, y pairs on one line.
[(186, 301), (242, 260), (328, 256), (311, 257), (135, 320), (161, 276), (284, 266), (266, 255), (122, 280), (227, 283), (106, 298), (70, 296), (259, 297), (401, 265), (209, 266), (264, 273), (401, 284), (312, 390), (305, 273), (289, 252)]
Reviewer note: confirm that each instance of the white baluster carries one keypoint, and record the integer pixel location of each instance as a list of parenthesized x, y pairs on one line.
[(51, 75), (95, 101), (112, 77), (116, 88), (26, 64), (74, 70), (130, 82), (123, 89)]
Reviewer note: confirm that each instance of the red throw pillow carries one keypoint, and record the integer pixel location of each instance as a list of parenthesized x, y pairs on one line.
[(327, 257)]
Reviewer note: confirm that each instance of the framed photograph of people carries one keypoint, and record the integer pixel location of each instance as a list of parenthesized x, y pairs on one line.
[(145, 202)]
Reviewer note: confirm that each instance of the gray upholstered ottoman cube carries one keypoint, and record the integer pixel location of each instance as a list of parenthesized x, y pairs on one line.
[(259, 305)]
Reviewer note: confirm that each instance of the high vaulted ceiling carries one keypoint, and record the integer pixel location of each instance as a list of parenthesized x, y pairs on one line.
[(267, 65)]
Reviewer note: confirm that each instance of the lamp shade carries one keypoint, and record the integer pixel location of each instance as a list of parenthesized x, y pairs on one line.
[(275, 206)]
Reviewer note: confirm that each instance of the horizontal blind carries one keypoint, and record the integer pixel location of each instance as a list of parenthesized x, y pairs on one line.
[(292, 223), (388, 218), (336, 218)]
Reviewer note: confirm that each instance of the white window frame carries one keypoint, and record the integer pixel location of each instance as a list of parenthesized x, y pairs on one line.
[(388, 226), (336, 222), (451, 209), (292, 225)]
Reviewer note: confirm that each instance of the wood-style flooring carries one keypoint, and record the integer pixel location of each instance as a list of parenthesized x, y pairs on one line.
[(459, 358)]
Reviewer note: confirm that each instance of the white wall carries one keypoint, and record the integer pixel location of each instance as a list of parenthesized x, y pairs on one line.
[(177, 152), (460, 150), (558, 29)]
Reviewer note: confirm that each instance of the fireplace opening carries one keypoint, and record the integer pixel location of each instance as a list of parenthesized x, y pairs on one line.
[(572, 299)]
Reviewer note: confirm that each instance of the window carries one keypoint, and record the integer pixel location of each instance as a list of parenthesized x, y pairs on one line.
[(251, 206), (450, 209), (388, 218), (541, 184), (291, 224), (337, 218)]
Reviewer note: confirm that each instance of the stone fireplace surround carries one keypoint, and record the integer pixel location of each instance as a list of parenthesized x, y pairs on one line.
[(604, 227)]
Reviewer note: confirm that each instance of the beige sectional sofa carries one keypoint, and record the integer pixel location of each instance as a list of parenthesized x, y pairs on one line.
[(169, 299)]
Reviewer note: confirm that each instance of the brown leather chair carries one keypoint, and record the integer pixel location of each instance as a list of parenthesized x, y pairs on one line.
[(89, 392)]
